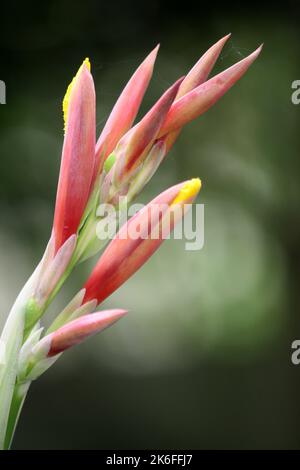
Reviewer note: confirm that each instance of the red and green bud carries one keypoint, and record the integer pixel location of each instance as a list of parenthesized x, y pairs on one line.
[(201, 70), (196, 76), (125, 109), (201, 98), (37, 355), (134, 147), (149, 167), (72, 311), (77, 331), (52, 269), (78, 155), (126, 254)]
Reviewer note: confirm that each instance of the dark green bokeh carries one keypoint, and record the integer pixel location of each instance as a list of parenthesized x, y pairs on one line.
[(203, 359)]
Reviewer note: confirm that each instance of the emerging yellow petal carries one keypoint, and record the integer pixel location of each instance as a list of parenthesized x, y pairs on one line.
[(69, 89), (189, 190)]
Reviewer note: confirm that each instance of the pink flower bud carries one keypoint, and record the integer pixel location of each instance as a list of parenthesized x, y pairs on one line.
[(53, 272), (201, 70), (78, 330), (196, 76), (201, 98), (78, 155), (126, 254), (125, 109), (133, 148)]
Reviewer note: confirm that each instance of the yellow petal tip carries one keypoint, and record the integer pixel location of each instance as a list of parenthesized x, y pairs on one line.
[(188, 191), (87, 63), (66, 99)]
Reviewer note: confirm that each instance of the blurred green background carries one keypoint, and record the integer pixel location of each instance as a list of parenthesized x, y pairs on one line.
[(203, 358)]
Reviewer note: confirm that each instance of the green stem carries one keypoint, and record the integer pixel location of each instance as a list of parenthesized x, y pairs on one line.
[(19, 395), (11, 339)]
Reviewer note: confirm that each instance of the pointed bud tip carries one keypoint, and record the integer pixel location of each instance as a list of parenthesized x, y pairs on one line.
[(70, 243), (156, 49), (86, 64), (220, 44), (152, 56), (113, 314), (188, 191), (224, 39), (119, 313), (160, 144), (171, 92), (258, 50), (175, 87), (255, 53), (246, 60)]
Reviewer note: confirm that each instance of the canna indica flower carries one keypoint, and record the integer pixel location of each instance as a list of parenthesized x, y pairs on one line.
[(125, 158), (126, 254), (122, 161)]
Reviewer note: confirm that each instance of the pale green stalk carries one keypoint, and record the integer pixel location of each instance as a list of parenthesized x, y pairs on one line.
[(11, 339), (19, 395)]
